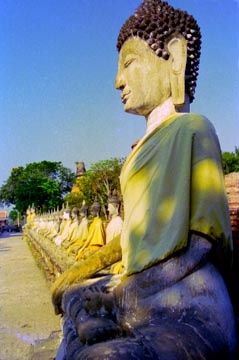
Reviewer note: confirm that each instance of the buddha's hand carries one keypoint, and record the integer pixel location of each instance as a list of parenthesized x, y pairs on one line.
[(79, 271), (84, 269)]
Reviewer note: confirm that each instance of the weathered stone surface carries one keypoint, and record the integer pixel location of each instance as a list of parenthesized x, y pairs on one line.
[(52, 259), (141, 317)]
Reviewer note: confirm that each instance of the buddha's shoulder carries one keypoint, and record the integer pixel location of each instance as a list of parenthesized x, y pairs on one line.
[(194, 122)]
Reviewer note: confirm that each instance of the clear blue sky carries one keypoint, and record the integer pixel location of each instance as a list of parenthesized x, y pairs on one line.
[(58, 62)]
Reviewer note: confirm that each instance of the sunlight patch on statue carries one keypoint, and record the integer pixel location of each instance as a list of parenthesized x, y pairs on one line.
[(166, 209), (206, 176)]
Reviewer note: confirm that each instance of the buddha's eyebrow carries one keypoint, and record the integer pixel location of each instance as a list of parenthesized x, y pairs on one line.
[(129, 52)]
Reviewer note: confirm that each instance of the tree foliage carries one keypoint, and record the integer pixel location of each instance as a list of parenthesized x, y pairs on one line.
[(100, 180), (13, 215), (230, 161), (43, 184)]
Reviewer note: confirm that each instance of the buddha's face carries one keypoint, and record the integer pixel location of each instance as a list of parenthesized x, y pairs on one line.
[(112, 209), (73, 215), (143, 77), (94, 212), (82, 214)]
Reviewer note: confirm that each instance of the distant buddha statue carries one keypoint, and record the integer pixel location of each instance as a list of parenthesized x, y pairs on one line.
[(33, 212), (40, 225), (83, 231), (62, 220), (55, 226), (44, 225), (65, 227), (48, 224), (28, 215), (73, 229), (96, 237), (171, 301), (36, 222), (114, 227)]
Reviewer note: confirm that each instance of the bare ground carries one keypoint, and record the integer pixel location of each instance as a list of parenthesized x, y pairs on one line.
[(29, 329)]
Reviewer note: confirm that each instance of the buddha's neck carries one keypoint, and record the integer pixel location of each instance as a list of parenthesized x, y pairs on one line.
[(160, 114), (114, 216)]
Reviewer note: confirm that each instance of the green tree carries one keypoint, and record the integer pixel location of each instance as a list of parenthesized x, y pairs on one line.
[(13, 215), (100, 180), (230, 161), (43, 184)]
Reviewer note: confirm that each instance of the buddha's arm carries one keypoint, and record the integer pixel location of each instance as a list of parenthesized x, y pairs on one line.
[(84, 269)]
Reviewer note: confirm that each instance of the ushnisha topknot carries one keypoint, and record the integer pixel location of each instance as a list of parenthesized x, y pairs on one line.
[(155, 21), (84, 208)]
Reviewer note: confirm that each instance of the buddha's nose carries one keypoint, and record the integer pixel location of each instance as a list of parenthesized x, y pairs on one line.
[(119, 81)]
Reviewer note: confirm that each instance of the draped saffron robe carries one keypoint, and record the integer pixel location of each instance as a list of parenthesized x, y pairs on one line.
[(173, 185)]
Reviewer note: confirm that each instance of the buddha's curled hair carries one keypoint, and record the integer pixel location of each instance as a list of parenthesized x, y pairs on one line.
[(155, 21)]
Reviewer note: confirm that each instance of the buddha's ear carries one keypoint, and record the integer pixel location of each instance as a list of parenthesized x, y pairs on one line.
[(177, 48)]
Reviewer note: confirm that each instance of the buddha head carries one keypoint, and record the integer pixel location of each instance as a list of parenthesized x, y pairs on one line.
[(75, 213), (95, 208), (113, 203), (159, 52), (83, 210)]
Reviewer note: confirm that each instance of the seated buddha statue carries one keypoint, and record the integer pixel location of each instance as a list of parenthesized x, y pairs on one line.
[(96, 236), (114, 227), (28, 215), (61, 221), (73, 230), (66, 223), (171, 301), (33, 213), (49, 225), (55, 225), (83, 231), (44, 225), (40, 225)]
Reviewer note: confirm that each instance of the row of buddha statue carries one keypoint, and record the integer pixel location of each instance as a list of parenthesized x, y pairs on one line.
[(71, 229)]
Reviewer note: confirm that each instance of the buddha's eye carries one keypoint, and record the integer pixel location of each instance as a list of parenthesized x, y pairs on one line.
[(128, 62)]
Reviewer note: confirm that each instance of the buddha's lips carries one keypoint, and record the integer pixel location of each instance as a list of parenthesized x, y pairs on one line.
[(124, 97)]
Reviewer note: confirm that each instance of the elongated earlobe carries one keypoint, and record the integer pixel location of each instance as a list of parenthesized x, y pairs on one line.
[(177, 48)]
